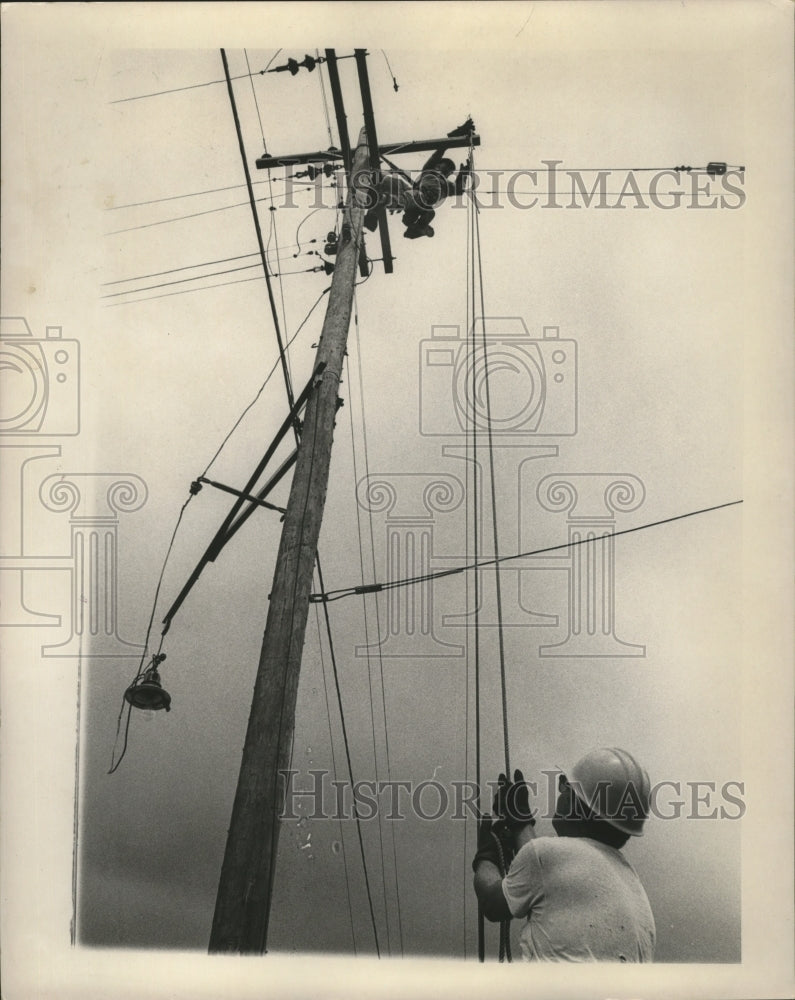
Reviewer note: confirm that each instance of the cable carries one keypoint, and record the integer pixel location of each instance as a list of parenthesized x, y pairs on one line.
[(476, 549), (394, 81), (298, 229), (336, 595), (184, 291), (255, 216), (174, 270), (497, 580), (378, 620), (189, 194), (195, 215), (199, 277), (357, 817), (334, 766), (190, 267), (193, 86), (179, 281), (139, 672), (267, 379), (256, 102), (325, 100)]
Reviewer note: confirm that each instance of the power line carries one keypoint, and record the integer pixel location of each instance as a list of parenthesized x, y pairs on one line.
[(195, 215), (176, 197), (190, 267), (174, 270), (335, 595), (192, 86), (184, 291), (178, 281), (256, 102)]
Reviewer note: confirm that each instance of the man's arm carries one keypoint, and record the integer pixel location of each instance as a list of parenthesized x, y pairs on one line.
[(488, 889), (488, 881)]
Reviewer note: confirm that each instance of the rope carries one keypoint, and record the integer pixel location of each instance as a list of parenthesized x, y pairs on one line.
[(369, 661), (505, 925), (350, 772), (475, 537), (334, 762), (364, 599), (497, 580)]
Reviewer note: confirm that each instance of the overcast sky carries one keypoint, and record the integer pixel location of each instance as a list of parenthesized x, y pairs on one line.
[(663, 308)]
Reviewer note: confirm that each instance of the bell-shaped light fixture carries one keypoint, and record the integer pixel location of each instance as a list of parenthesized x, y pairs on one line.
[(147, 692)]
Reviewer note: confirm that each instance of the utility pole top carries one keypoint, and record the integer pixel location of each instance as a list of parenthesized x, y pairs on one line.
[(334, 155)]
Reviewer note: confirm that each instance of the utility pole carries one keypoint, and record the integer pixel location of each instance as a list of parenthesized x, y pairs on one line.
[(242, 909)]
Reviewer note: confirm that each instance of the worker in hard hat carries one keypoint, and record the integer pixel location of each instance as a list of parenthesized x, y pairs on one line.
[(419, 200), (579, 896)]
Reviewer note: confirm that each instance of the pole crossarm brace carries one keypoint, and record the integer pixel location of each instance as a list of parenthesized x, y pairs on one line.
[(390, 149), (232, 521), (239, 493)]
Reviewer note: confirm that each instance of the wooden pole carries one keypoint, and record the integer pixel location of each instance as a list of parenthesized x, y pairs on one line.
[(242, 909)]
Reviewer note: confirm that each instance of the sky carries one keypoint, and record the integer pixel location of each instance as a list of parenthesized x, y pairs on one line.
[(666, 318)]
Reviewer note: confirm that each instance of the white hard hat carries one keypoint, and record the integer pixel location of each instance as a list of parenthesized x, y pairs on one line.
[(615, 787)]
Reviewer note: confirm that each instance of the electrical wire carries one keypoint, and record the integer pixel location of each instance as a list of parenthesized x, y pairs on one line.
[(256, 102), (195, 215), (174, 270), (200, 277), (336, 773), (188, 194), (193, 86), (267, 379), (356, 814), (325, 100), (179, 281), (394, 81), (139, 672), (336, 595), (368, 644), (184, 291), (497, 579), (255, 218)]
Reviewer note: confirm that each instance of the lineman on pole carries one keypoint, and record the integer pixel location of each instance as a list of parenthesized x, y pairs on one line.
[(419, 200), (580, 898)]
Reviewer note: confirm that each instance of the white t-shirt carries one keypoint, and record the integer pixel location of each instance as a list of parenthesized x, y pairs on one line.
[(583, 902)]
